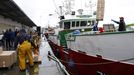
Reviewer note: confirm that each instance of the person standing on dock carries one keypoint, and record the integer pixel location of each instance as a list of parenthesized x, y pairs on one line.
[(95, 27), (24, 50), (122, 25)]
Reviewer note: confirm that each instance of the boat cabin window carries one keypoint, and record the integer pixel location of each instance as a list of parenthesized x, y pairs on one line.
[(73, 23), (83, 23), (89, 23), (77, 23), (92, 23), (66, 25), (61, 23)]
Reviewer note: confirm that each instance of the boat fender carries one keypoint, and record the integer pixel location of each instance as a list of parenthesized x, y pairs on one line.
[(101, 29)]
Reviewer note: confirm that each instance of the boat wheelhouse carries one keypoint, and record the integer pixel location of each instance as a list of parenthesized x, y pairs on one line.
[(80, 22)]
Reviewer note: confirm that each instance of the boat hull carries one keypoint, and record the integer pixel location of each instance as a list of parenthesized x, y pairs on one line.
[(79, 63), (113, 46)]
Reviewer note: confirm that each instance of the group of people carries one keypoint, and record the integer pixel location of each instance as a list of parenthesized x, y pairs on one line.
[(8, 39), (24, 42)]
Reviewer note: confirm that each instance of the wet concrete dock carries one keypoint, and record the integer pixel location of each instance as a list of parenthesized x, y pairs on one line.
[(46, 67)]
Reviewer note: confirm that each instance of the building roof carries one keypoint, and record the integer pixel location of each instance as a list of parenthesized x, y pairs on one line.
[(9, 9)]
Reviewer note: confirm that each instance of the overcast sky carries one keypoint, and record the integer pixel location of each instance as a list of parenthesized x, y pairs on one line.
[(39, 10)]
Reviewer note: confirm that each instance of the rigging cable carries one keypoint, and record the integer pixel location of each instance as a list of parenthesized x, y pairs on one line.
[(55, 7)]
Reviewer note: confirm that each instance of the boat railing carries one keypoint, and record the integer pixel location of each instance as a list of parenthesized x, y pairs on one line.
[(60, 64)]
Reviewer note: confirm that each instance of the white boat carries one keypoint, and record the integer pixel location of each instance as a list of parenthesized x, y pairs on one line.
[(85, 52)]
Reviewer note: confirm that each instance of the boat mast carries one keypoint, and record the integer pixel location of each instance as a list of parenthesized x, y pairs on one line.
[(91, 5), (66, 9), (68, 5), (61, 13)]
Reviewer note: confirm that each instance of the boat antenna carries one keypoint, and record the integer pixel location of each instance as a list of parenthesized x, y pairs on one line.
[(68, 5), (61, 13), (90, 4), (55, 7), (80, 11)]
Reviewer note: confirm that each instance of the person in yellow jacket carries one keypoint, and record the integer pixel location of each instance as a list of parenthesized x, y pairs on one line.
[(24, 51)]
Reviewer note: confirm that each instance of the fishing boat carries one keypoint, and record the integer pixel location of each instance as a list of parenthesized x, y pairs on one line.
[(86, 52)]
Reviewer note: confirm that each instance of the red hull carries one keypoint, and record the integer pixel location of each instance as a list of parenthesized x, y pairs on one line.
[(81, 64)]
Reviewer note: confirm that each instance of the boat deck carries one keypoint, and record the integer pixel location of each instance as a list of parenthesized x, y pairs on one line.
[(46, 67)]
